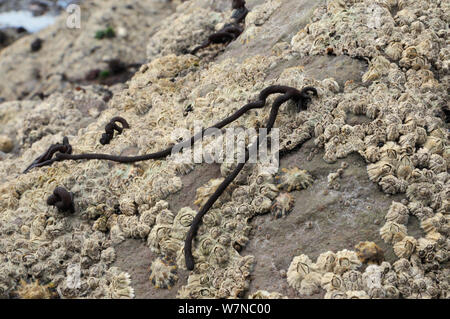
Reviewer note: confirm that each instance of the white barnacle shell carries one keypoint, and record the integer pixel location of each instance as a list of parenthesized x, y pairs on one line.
[(108, 255), (94, 243), (405, 247), (392, 232), (38, 226), (165, 217), (419, 210), (425, 246), (392, 132), (182, 222), (398, 213), (212, 219), (405, 166), (421, 158), (372, 277), (158, 234), (261, 205), (268, 190), (394, 50), (330, 281), (330, 131), (378, 67), (346, 260), (392, 185), (120, 285), (206, 245), (371, 154), (434, 145), (326, 261), (148, 217), (293, 179), (352, 280), (116, 234), (219, 255), (127, 205), (437, 164), (437, 223), (282, 205), (420, 192), (380, 169), (298, 269), (310, 285), (331, 85)]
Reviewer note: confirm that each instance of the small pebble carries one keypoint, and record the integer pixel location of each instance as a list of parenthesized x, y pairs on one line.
[(6, 144), (344, 165), (36, 45)]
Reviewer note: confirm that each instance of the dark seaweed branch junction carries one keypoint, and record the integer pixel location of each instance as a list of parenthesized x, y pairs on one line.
[(229, 32), (111, 127), (46, 158), (301, 98)]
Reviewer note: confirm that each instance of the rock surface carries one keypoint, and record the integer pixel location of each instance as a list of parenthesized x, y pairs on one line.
[(371, 163)]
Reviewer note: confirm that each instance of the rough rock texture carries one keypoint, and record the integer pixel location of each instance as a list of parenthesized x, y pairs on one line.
[(67, 55), (381, 71)]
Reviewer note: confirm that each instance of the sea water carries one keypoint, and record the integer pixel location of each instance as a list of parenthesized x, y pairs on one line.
[(25, 19)]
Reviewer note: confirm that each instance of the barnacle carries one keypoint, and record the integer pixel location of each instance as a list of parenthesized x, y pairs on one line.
[(437, 223), (262, 204), (298, 269), (205, 192), (34, 290), (420, 192), (293, 179), (326, 261), (120, 285), (379, 170), (282, 205), (218, 255), (405, 247), (331, 281), (108, 255), (392, 232), (182, 222), (310, 285), (163, 273), (346, 260), (392, 185), (397, 213), (379, 66)]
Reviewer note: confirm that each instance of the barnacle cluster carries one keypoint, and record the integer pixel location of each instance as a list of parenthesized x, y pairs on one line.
[(402, 139)]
